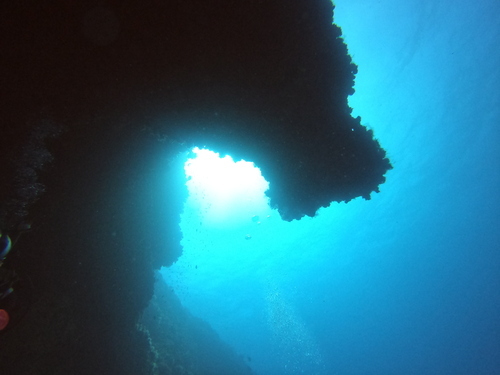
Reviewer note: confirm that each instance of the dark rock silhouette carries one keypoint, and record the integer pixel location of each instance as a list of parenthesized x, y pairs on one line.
[(133, 83)]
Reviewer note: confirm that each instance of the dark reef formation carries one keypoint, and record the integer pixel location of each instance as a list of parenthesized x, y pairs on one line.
[(183, 344), (134, 83)]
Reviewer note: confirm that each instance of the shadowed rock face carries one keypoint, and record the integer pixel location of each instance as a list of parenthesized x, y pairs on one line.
[(133, 83), (266, 81)]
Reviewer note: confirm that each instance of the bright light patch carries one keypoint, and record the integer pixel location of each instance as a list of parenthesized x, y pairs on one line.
[(223, 191)]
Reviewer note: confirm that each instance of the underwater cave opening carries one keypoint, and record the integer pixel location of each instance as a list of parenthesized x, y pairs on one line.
[(241, 262)]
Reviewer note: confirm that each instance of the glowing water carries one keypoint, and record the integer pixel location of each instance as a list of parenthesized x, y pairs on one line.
[(237, 258)]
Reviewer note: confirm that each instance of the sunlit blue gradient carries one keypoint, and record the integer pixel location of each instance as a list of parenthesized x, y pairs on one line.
[(238, 255), (406, 283)]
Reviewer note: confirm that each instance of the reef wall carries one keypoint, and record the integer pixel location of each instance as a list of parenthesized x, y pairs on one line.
[(133, 84)]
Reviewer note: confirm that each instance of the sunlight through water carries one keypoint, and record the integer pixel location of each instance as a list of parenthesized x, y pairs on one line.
[(240, 262), (225, 192)]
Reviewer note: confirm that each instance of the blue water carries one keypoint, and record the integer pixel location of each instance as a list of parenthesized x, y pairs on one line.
[(406, 283)]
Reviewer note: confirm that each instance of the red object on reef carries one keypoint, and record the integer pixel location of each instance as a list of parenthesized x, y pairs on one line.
[(4, 319)]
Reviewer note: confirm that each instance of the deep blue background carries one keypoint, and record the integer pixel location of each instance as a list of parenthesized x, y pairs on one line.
[(408, 282)]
